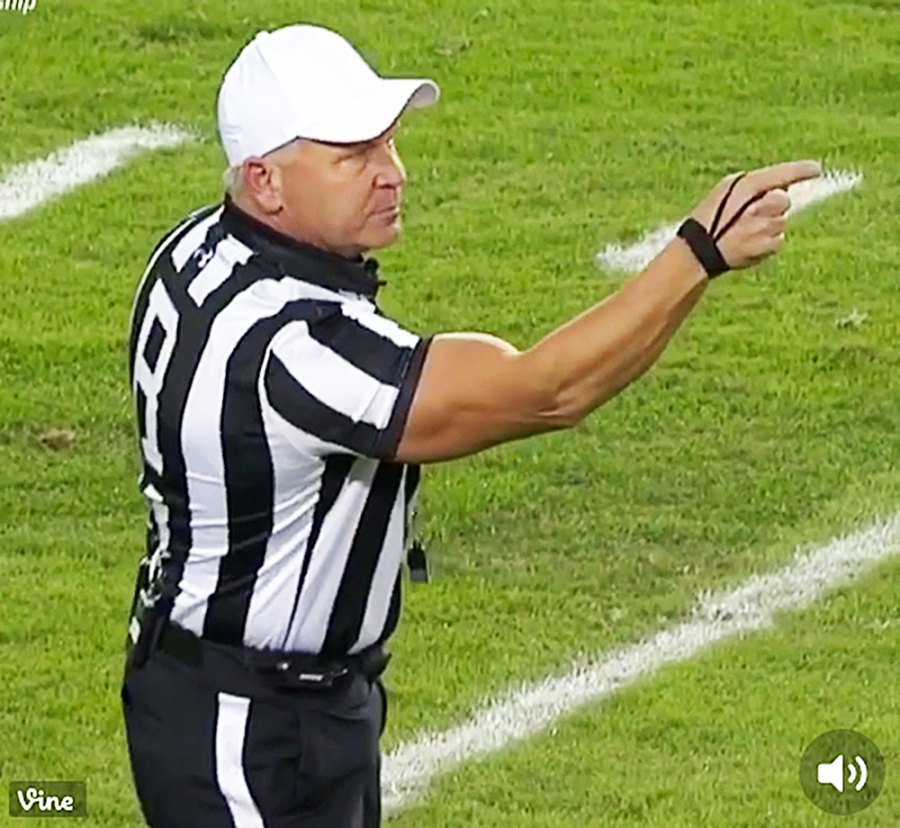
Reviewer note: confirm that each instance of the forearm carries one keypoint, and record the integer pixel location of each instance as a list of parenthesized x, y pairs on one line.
[(476, 391), (598, 353)]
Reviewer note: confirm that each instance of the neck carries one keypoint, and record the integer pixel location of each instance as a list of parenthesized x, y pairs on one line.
[(277, 222)]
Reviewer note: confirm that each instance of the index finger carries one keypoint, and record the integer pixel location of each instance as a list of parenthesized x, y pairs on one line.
[(781, 176)]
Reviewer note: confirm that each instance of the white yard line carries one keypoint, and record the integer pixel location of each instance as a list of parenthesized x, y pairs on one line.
[(26, 186), (525, 711), (637, 256)]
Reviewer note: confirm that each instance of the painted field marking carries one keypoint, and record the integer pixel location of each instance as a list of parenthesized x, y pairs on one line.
[(26, 186), (637, 256), (528, 709)]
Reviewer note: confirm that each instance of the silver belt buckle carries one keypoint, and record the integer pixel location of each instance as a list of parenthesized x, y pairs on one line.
[(305, 678)]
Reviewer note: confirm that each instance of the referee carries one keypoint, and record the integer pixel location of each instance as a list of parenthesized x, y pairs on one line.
[(282, 418)]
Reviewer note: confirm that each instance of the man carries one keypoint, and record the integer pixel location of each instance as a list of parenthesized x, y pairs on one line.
[(283, 419)]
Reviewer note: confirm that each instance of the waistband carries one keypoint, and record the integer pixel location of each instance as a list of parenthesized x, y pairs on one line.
[(245, 669)]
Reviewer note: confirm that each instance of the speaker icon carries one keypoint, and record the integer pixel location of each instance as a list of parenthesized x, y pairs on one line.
[(832, 773)]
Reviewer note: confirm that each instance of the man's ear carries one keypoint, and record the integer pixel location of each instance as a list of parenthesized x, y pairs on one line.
[(262, 181)]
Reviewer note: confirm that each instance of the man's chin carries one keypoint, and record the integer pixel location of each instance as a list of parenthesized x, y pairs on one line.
[(383, 236)]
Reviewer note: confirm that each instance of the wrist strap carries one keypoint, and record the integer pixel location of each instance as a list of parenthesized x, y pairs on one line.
[(703, 247), (713, 228)]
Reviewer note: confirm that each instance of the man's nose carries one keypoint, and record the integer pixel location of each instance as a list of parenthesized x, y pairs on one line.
[(391, 172)]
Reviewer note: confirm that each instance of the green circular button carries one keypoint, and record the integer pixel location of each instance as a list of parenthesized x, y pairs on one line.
[(842, 772)]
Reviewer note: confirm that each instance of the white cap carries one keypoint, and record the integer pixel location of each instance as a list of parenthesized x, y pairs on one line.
[(308, 82)]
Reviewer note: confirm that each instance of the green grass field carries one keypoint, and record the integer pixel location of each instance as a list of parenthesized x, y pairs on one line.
[(563, 126)]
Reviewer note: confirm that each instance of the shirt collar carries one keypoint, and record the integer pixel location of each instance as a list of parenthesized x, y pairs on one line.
[(301, 260)]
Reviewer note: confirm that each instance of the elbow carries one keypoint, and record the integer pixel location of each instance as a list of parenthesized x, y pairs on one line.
[(562, 409), (555, 401), (569, 405)]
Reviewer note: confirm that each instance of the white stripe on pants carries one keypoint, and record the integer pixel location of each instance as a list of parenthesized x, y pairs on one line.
[(231, 728)]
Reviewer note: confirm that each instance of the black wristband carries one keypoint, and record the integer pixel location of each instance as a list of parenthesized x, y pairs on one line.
[(703, 247)]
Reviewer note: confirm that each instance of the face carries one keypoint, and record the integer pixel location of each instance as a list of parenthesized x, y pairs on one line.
[(340, 197)]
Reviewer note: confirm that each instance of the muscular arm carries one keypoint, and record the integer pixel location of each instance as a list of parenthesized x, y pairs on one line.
[(476, 390)]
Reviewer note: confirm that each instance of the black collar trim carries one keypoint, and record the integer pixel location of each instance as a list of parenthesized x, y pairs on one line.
[(301, 260)]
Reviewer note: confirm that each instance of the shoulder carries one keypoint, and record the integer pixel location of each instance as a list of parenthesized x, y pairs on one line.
[(181, 234)]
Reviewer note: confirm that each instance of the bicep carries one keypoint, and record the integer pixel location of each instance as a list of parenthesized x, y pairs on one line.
[(475, 391)]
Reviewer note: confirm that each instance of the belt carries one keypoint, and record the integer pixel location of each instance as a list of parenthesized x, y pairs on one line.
[(277, 669)]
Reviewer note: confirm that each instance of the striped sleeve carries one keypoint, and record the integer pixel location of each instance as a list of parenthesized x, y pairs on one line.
[(347, 379)]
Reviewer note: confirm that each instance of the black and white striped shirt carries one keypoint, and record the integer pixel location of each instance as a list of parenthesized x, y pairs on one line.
[(271, 394)]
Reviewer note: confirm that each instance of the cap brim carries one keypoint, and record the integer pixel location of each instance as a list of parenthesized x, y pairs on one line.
[(368, 116)]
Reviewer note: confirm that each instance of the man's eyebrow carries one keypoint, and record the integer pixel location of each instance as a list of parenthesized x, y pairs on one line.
[(347, 149), (361, 146)]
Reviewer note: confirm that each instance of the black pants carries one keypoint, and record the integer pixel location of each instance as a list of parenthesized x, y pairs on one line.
[(209, 749)]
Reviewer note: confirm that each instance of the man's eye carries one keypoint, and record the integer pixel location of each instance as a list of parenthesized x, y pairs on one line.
[(354, 156)]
